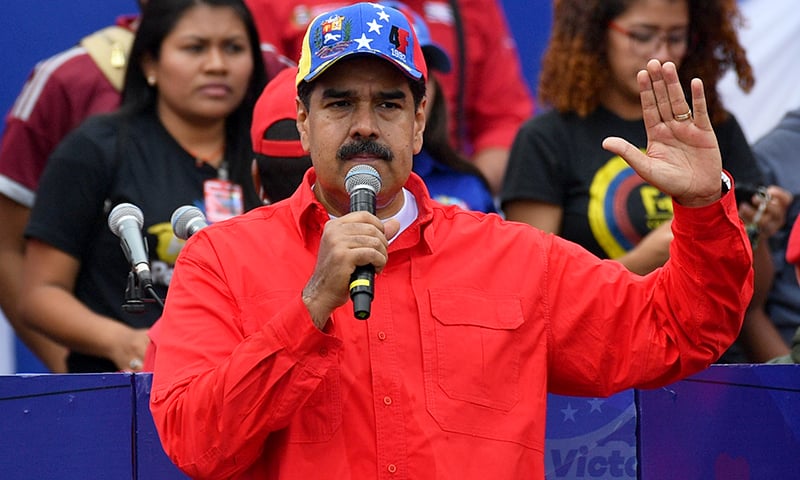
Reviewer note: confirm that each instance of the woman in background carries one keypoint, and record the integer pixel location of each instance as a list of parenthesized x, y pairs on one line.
[(561, 180), (180, 137)]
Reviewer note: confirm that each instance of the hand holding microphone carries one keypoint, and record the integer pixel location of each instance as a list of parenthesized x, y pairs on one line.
[(363, 183), (352, 248)]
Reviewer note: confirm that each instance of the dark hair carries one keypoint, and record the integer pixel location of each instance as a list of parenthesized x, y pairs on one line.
[(575, 64), (436, 138), (280, 176), (159, 18)]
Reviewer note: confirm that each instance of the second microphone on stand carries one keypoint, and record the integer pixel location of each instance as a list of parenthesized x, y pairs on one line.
[(187, 220)]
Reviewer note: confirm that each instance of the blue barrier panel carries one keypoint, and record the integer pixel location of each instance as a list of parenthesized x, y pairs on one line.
[(151, 460), (66, 426), (728, 422), (591, 437)]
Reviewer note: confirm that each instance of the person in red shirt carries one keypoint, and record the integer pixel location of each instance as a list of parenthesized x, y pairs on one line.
[(487, 96), (263, 371), (280, 160)]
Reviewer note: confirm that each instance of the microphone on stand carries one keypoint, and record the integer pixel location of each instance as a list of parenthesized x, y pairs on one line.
[(126, 221), (363, 183), (187, 220)]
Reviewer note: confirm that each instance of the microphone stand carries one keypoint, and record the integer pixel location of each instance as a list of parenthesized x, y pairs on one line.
[(134, 301)]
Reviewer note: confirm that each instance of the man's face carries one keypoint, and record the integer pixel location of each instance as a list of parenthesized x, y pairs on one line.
[(361, 111)]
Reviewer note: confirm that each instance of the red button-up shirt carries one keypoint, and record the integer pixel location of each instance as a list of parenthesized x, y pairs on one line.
[(474, 320)]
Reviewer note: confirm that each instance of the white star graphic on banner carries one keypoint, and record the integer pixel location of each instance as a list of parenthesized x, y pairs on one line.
[(569, 412), (383, 16), (363, 42), (375, 26)]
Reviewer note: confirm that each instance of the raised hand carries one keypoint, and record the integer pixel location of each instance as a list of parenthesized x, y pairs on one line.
[(683, 158)]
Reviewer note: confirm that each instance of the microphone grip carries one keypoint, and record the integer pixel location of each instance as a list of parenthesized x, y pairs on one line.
[(361, 290), (362, 200)]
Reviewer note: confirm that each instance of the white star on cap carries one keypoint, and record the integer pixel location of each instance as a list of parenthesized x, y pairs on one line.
[(363, 42), (383, 16), (375, 26)]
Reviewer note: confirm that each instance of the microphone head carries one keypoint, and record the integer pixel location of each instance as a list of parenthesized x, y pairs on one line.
[(183, 219), (121, 212), (362, 176)]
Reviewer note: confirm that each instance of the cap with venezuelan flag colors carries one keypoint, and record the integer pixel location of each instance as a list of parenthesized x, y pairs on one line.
[(360, 29)]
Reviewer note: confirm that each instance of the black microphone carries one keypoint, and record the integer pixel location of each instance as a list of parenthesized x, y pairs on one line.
[(363, 183), (187, 220), (126, 221)]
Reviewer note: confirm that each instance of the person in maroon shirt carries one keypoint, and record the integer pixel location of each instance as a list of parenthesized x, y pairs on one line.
[(261, 370), (60, 93)]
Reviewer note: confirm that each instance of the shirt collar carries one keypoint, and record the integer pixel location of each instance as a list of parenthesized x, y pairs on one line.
[(310, 215)]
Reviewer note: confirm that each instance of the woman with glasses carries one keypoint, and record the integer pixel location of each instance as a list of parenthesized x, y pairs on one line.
[(561, 180)]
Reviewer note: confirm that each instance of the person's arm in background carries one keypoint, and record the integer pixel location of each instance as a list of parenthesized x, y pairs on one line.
[(13, 218), (38, 120), (544, 216), (59, 94), (759, 337), (70, 198), (48, 304)]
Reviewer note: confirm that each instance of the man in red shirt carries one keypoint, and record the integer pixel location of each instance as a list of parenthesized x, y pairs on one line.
[(487, 97), (262, 372)]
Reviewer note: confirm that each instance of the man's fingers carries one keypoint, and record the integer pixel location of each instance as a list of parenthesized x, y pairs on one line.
[(701, 118), (650, 113), (626, 150), (678, 105), (659, 86)]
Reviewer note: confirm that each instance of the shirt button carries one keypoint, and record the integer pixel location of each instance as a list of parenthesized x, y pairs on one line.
[(387, 400), (323, 352), (391, 467), (381, 336)]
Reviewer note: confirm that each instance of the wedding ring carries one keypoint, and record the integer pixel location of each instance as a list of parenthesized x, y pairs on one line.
[(683, 116), (135, 364)]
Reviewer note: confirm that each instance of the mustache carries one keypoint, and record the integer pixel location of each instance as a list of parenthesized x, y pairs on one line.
[(364, 147)]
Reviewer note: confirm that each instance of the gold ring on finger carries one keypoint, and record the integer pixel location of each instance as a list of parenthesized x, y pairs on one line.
[(683, 116)]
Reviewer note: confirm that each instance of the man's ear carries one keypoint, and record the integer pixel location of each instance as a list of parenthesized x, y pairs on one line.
[(257, 181), (302, 123), (419, 125)]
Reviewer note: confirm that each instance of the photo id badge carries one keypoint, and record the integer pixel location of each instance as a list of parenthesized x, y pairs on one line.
[(223, 200)]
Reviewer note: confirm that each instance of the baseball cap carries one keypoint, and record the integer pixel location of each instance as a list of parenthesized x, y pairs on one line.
[(280, 161), (435, 56), (361, 29), (270, 133)]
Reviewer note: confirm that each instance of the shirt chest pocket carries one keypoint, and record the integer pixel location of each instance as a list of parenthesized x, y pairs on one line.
[(472, 355)]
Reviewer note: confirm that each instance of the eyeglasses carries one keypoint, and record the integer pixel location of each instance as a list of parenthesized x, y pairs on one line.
[(647, 41)]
